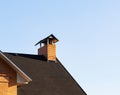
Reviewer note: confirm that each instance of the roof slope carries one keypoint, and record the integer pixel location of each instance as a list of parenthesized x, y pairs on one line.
[(48, 78)]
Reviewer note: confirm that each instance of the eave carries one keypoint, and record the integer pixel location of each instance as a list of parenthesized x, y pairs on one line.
[(17, 69)]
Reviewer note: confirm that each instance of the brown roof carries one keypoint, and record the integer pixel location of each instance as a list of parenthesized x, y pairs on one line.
[(48, 78)]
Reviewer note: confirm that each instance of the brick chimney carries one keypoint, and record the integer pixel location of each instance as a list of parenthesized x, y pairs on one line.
[(48, 47)]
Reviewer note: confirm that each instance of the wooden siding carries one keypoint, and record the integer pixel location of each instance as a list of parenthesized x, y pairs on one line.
[(8, 79)]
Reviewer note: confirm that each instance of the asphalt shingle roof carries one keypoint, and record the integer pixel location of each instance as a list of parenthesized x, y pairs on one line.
[(48, 78)]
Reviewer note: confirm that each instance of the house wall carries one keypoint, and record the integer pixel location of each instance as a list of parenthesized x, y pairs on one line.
[(8, 79), (3, 85)]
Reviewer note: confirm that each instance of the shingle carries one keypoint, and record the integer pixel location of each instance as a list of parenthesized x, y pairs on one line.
[(48, 78)]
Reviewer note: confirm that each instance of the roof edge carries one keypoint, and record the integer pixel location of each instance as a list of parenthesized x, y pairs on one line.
[(17, 69), (71, 77)]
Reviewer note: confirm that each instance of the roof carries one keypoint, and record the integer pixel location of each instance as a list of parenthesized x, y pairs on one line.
[(48, 78), (49, 37), (14, 67)]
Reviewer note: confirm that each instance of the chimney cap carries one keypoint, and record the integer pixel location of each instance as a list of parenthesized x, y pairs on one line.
[(52, 37)]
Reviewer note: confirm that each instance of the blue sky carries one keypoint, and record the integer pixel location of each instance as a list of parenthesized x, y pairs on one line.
[(88, 30)]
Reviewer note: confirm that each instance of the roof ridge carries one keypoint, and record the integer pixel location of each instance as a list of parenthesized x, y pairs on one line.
[(19, 53)]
